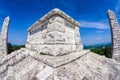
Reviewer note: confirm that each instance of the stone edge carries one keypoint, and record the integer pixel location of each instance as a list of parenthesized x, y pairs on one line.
[(19, 56), (51, 13)]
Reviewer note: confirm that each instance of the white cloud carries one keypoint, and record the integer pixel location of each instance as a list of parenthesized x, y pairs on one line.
[(98, 25), (99, 38)]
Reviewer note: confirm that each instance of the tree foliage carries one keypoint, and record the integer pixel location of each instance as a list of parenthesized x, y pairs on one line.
[(12, 48), (103, 51), (9, 47)]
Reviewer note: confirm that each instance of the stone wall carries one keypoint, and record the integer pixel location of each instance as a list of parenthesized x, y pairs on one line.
[(115, 35), (55, 36), (4, 38)]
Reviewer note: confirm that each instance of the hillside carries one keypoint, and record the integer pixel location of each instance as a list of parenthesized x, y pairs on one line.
[(101, 49)]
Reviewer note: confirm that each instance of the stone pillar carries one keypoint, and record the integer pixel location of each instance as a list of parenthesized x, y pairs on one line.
[(4, 38), (115, 35)]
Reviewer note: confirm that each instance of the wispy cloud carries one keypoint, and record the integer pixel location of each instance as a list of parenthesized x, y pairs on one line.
[(99, 31), (98, 25), (99, 38)]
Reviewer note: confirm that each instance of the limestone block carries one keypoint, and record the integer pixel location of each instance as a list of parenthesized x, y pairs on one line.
[(55, 37), (79, 47), (37, 29), (69, 25), (70, 38), (70, 35), (45, 73), (55, 50), (56, 23), (37, 38), (56, 61), (69, 30), (66, 73), (55, 34), (77, 36), (3, 76), (28, 46), (29, 69), (64, 49), (77, 40)]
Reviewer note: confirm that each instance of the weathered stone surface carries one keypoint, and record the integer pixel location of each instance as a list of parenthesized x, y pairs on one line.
[(21, 66), (55, 37), (115, 35), (54, 49), (55, 34), (4, 38), (89, 67), (56, 23), (26, 64)]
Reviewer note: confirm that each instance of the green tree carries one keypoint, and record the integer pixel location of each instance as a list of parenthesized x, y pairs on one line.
[(9, 48), (107, 52), (102, 51)]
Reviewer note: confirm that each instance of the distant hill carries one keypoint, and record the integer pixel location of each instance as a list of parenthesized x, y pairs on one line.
[(101, 49), (98, 45), (16, 47)]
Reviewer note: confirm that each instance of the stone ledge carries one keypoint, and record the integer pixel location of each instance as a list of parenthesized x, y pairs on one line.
[(52, 61), (55, 49), (61, 60)]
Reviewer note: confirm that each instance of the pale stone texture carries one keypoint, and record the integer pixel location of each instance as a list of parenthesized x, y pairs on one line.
[(89, 67), (115, 35), (55, 34), (26, 64), (4, 38), (77, 64)]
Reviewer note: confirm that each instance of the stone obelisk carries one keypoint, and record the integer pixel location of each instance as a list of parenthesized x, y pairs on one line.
[(115, 35), (4, 38)]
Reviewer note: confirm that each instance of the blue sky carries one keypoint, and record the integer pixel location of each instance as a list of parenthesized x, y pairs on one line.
[(91, 14)]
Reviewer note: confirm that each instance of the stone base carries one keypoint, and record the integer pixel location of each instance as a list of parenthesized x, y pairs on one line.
[(55, 49), (26, 64)]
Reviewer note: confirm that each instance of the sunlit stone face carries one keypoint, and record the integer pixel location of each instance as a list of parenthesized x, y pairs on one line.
[(56, 23), (55, 36)]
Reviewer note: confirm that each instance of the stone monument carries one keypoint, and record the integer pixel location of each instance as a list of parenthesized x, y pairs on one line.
[(115, 35), (4, 38), (55, 34)]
